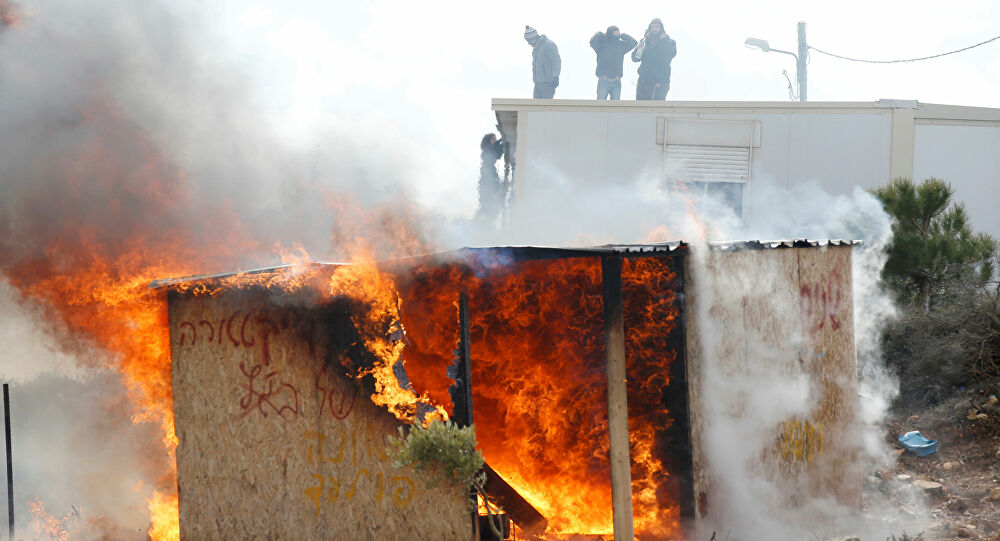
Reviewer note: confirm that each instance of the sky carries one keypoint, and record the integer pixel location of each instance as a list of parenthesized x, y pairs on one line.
[(418, 77)]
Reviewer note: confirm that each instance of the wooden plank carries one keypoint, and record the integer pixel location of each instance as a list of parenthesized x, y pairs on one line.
[(614, 347), (520, 511), (461, 391), (681, 479), (776, 315)]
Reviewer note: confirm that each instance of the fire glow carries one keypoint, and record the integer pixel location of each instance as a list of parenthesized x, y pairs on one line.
[(539, 383), (111, 212), (539, 379)]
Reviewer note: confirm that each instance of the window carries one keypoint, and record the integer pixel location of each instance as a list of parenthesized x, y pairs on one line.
[(711, 158)]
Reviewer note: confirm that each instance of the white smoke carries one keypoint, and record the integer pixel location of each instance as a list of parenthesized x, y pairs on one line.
[(121, 131), (29, 342), (747, 500), (154, 65)]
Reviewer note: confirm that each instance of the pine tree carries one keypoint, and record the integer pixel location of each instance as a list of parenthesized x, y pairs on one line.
[(933, 240)]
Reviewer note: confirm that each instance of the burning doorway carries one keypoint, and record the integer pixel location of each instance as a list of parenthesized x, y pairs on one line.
[(539, 376)]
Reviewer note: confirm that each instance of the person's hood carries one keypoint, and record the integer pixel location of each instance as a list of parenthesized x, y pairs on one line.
[(663, 30)]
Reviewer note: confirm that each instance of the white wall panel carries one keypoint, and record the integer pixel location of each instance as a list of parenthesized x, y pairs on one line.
[(967, 156)]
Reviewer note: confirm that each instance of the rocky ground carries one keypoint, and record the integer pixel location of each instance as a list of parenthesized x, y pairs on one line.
[(955, 492)]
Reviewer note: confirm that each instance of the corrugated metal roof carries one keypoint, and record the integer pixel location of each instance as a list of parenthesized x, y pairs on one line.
[(167, 282), (786, 243), (498, 255)]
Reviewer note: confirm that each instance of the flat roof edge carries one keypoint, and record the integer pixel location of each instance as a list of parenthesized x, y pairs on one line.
[(509, 104), (925, 111)]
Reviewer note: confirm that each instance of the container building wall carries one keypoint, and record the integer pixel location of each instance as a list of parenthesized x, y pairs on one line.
[(564, 146), (966, 154)]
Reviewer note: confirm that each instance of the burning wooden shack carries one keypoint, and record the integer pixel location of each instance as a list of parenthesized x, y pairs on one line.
[(583, 370)]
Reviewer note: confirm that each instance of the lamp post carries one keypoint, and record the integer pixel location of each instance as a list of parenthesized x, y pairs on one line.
[(800, 59)]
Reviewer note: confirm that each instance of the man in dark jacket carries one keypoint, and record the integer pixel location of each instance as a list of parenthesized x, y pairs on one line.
[(655, 52), (545, 64), (492, 190), (611, 48)]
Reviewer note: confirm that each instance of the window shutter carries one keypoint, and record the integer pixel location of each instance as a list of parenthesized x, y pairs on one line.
[(702, 163)]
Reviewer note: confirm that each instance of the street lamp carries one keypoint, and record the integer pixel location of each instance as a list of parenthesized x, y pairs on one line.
[(800, 59)]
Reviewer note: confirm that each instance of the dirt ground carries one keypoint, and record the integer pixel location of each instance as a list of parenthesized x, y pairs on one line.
[(966, 465)]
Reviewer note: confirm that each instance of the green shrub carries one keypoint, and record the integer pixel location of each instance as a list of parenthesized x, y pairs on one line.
[(447, 453), (443, 450)]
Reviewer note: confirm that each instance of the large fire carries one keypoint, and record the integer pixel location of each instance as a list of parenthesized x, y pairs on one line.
[(539, 384), (104, 211), (119, 215)]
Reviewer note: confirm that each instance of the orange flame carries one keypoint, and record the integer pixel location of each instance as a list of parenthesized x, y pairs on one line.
[(380, 327), (47, 526), (539, 383), (92, 271), (164, 516)]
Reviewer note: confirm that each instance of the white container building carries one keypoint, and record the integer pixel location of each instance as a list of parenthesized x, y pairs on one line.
[(724, 147)]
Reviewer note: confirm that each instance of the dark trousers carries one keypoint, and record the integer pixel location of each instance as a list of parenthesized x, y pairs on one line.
[(544, 91), (646, 89)]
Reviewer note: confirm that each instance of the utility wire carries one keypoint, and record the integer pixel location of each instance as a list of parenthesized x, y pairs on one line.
[(904, 60)]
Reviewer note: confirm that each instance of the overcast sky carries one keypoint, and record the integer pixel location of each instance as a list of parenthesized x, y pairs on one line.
[(424, 73), (421, 74)]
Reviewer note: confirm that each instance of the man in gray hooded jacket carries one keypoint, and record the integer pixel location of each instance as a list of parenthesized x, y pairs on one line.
[(545, 64)]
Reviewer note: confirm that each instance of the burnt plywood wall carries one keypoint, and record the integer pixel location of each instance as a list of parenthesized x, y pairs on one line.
[(759, 318), (276, 442)]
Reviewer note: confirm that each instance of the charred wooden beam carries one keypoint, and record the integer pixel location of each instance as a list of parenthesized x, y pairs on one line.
[(614, 348), (520, 511), (10, 462), (461, 390), (681, 478)]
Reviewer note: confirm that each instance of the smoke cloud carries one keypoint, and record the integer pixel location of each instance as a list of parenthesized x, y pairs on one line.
[(128, 148), (129, 151), (748, 502)]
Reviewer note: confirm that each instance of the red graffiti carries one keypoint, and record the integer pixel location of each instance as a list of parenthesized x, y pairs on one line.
[(211, 329), (229, 328), (340, 403), (246, 335), (821, 304), (266, 330), (248, 343), (264, 400), (194, 332)]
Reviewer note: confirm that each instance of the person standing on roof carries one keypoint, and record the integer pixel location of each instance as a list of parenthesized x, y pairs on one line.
[(545, 64), (655, 52), (611, 48)]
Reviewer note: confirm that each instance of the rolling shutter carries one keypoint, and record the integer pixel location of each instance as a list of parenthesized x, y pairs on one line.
[(702, 163)]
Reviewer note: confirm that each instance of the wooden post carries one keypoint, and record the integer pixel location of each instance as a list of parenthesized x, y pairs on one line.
[(10, 462), (465, 365), (614, 348), (461, 398), (461, 371)]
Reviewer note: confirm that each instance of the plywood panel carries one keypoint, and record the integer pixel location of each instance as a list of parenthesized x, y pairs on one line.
[(275, 441), (772, 317), (830, 435)]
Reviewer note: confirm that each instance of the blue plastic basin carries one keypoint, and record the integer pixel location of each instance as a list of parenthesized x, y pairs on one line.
[(916, 443)]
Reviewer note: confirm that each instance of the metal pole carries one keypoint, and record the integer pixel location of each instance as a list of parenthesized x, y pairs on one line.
[(801, 61), (10, 463), (614, 349)]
